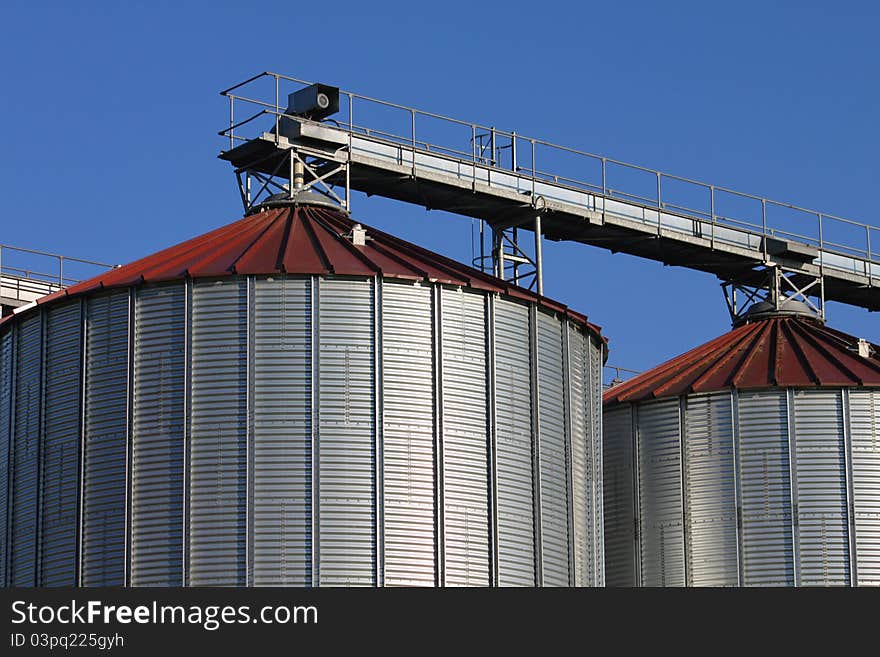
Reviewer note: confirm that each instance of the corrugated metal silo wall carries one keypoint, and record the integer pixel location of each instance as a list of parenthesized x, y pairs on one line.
[(763, 488), (294, 430)]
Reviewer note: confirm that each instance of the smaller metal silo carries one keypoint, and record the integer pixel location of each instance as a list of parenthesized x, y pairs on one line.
[(752, 460)]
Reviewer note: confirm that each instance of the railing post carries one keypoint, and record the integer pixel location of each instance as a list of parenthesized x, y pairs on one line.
[(350, 145), (513, 152), (231, 122), (60, 271), (659, 203), (534, 169), (277, 109), (821, 266), (764, 227), (474, 155), (604, 186), (412, 113), (870, 268), (712, 214)]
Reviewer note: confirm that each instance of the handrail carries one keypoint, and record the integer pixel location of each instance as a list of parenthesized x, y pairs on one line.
[(662, 201), (13, 275)]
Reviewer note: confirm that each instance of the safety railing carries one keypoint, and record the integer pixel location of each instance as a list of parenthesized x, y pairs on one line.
[(614, 374), (714, 208), (28, 273)]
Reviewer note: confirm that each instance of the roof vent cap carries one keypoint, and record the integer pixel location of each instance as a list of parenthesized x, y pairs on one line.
[(297, 198), (865, 348), (358, 235), (788, 308)]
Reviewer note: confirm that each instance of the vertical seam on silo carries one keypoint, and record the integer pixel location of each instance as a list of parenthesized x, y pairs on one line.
[(637, 501), (440, 531), (187, 429), (792, 484), (6, 499), (315, 431), (249, 433), (569, 490), (41, 454), (597, 438), (129, 380), (83, 324), (378, 432), (737, 485), (682, 488), (536, 444), (492, 413), (10, 487), (850, 497)]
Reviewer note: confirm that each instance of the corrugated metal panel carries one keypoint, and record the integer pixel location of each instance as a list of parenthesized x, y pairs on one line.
[(218, 445), (710, 491), (660, 503), (282, 504), (346, 408), (26, 453), (596, 473), (465, 438), (408, 434), (619, 500), (513, 403), (61, 436), (765, 489), (7, 348), (865, 430), (554, 473), (105, 438), (823, 538), (580, 391), (157, 437)]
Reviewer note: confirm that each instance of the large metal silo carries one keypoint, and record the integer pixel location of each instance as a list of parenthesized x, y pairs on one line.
[(295, 399), (753, 460)]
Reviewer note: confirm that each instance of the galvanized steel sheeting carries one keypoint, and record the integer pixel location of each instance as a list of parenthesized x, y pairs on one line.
[(513, 460), (346, 433), (710, 491), (465, 448), (218, 440), (780, 488), (158, 436), (282, 432), (303, 430), (864, 414), (553, 452), (25, 454), (60, 459), (105, 442), (408, 434), (620, 499)]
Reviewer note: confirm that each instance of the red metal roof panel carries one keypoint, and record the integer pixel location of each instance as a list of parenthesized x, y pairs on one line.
[(304, 240), (778, 351)]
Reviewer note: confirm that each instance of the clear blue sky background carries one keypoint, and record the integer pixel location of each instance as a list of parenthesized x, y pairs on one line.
[(109, 113)]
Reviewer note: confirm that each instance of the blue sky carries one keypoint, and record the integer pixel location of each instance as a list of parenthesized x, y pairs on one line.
[(109, 114)]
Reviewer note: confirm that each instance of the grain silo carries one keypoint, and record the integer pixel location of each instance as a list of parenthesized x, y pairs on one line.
[(752, 460), (297, 399)]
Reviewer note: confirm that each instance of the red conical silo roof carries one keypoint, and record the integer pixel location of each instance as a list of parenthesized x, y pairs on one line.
[(790, 351), (301, 239)]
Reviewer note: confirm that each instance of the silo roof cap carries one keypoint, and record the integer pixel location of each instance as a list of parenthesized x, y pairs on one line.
[(304, 239), (780, 351)]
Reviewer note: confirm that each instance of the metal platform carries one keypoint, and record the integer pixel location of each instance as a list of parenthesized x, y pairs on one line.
[(499, 179), (27, 274)]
